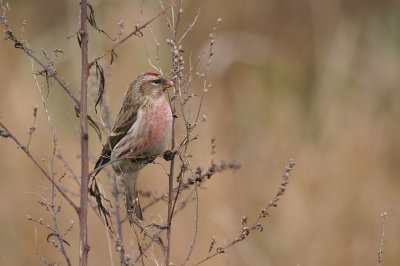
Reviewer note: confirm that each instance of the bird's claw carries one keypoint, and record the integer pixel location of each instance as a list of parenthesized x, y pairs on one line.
[(168, 155)]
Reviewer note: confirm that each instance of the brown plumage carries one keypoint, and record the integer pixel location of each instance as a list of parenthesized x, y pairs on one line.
[(142, 127)]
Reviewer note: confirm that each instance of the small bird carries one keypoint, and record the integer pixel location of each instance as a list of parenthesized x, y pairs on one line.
[(142, 128)]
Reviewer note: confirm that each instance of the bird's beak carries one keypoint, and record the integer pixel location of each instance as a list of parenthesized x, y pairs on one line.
[(167, 84)]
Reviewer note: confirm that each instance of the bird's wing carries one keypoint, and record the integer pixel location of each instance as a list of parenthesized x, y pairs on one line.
[(127, 116)]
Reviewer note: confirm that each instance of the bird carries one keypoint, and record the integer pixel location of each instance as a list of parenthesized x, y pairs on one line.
[(142, 129)]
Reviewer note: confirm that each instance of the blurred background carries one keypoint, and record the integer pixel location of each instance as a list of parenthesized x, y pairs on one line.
[(316, 81)]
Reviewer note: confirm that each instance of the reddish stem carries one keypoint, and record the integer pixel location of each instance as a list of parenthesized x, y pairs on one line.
[(83, 210)]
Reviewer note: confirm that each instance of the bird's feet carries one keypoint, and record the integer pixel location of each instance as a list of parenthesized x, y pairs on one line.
[(168, 155)]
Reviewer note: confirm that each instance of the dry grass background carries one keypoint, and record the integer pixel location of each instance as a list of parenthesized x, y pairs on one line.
[(314, 80)]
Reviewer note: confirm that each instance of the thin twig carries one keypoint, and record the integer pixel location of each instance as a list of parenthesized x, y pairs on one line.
[(196, 228), (245, 230), (205, 75), (190, 27), (140, 248), (120, 243), (30, 156), (47, 70), (136, 31), (32, 128), (37, 250), (171, 173), (380, 253), (145, 248), (68, 167), (19, 45), (106, 229), (197, 178), (184, 202), (52, 203)]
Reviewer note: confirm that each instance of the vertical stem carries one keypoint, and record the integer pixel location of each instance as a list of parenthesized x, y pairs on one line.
[(120, 242), (171, 171), (171, 183), (83, 210)]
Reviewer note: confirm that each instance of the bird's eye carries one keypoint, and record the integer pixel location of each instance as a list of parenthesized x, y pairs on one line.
[(156, 81)]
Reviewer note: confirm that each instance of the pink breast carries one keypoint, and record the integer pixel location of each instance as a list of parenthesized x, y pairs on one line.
[(156, 129)]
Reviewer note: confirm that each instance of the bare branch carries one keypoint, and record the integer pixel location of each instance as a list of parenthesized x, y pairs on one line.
[(191, 25), (19, 45), (136, 32), (196, 228), (53, 192), (7, 133), (32, 128), (205, 75), (245, 230), (120, 243), (47, 70), (175, 67)]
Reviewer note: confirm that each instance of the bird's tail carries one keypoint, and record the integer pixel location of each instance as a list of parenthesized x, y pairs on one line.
[(132, 196)]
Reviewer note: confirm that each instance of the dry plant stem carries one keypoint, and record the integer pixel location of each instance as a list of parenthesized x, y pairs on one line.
[(19, 44), (201, 179), (140, 248), (53, 211), (210, 54), (171, 173), (37, 250), (30, 156), (175, 212), (52, 74), (380, 253), (190, 27), (134, 32), (184, 202), (145, 233), (196, 229), (145, 248), (107, 231), (120, 243), (83, 210), (53, 192), (69, 169), (46, 71), (170, 187), (183, 186), (245, 230), (32, 129)]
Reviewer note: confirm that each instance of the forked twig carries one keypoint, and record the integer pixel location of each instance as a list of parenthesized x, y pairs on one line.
[(53, 192), (246, 230), (30, 156), (20, 45), (136, 31)]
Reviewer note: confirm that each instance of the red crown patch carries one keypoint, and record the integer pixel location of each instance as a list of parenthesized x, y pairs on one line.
[(153, 74)]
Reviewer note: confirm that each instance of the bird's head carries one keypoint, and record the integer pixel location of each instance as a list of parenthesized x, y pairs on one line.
[(148, 85)]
